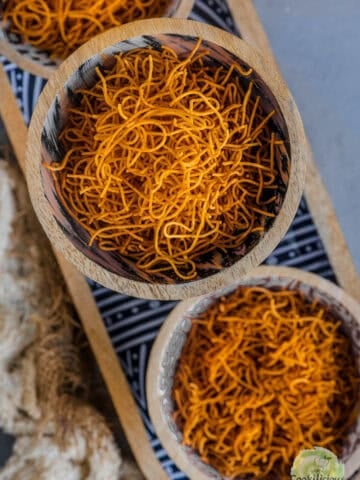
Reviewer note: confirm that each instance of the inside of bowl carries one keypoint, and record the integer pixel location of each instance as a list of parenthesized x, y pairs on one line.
[(350, 326), (53, 151)]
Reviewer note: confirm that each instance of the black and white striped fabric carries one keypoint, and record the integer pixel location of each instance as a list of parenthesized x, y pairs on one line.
[(133, 323)]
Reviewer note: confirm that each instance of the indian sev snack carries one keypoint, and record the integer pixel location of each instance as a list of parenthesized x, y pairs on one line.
[(264, 374), (61, 26), (167, 159)]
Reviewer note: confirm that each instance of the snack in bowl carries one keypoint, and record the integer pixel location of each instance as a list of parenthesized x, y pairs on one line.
[(163, 164), (56, 28), (240, 381), (169, 158)]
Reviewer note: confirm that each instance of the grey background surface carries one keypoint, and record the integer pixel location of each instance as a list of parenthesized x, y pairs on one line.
[(317, 44)]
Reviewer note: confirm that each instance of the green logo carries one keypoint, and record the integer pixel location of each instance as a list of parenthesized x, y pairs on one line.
[(317, 464)]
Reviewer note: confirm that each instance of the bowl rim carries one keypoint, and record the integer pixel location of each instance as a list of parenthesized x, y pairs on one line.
[(176, 317), (39, 69), (298, 147)]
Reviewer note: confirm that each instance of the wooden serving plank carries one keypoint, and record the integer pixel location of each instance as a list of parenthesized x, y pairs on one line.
[(252, 31), (88, 313)]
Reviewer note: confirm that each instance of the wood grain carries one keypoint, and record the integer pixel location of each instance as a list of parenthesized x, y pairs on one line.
[(297, 146), (88, 313), (318, 199), (13, 119), (24, 61), (183, 9)]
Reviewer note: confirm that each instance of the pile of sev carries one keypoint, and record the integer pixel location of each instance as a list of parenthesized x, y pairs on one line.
[(61, 26), (168, 159), (262, 375)]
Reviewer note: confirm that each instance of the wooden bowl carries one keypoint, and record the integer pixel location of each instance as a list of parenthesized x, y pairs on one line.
[(43, 147), (168, 345), (39, 63)]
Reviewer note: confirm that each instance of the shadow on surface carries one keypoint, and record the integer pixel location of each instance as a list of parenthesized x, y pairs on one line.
[(6, 447)]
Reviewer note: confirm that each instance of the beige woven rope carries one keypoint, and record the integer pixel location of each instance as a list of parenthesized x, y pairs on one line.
[(44, 393)]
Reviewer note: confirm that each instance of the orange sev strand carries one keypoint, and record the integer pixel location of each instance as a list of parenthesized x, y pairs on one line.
[(61, 27), (173, 156)]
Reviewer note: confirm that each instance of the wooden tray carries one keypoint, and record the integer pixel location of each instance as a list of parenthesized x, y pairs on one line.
[(121, 329)]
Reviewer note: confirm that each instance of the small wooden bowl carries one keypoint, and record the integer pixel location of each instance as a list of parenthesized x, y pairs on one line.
[(169, 343), (43, 147), (39, 63)]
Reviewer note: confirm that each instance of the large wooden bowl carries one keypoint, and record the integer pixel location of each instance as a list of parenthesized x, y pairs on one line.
[(38, 62), (168, 345), (114, 271)]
